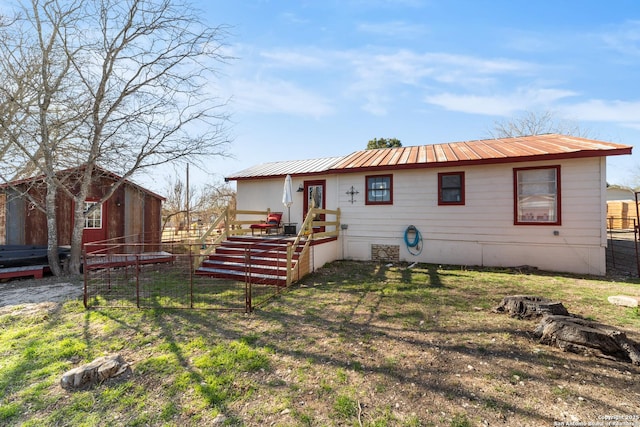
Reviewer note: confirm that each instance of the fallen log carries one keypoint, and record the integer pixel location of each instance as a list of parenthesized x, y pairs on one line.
[(586, 337), (90, 374), (528, 306)]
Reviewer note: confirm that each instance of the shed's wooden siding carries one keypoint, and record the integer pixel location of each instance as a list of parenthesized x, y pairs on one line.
[(65, 220), (23, 224), (3, 218), (134, 218), (152, 222)]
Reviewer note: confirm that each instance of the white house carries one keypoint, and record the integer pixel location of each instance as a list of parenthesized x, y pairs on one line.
[(538, 201)]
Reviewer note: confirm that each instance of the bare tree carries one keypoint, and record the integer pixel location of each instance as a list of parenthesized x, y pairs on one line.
[(535, 123), (206, 202), (117, 85)]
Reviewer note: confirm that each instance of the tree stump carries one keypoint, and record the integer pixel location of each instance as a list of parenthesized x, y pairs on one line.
[(95, 372), (528, 306), (586, 337)]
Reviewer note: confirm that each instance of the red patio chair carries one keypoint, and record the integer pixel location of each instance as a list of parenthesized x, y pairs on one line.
[(272, 223)]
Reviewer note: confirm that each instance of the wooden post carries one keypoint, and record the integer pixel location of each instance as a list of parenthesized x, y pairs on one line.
[(289, 262)]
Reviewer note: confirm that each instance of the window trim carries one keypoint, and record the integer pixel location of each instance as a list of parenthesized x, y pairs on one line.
[(375, 202), (558, 220), (100, 215), (442, 202)]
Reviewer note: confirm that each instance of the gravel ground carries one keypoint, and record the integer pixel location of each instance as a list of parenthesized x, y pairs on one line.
[(17, 293)]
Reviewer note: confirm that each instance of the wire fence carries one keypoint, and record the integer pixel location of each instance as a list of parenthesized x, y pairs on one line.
[(130, 276), (623, 249)]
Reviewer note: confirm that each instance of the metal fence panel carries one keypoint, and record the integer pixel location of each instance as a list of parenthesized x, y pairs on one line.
[(126, 277)]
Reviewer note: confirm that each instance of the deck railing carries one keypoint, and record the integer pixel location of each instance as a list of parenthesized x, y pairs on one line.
[(313, 228)]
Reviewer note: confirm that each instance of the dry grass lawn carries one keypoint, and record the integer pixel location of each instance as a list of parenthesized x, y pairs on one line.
[(353, 344)]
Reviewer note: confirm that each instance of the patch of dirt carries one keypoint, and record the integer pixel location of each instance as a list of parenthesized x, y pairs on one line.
[(22, 296)]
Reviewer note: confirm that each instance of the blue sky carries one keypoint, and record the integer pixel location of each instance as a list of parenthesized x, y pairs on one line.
[(321, 78)]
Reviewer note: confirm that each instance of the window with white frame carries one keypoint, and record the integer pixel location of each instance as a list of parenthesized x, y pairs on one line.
[(94, 218), (537, 195)]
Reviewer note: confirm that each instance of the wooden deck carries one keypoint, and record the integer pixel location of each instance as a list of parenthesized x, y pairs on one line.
[(35, 271), (124, 260)]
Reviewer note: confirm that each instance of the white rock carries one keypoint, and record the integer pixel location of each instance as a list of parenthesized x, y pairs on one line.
[(219, 419), (623, 300)]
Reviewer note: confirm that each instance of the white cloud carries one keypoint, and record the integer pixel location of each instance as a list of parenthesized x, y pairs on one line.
[(272, 80), (376, 104), (386, 4), (393, 29), (500, 105), (293, 18), (277, 96), (288, 59), (625, 39), (380, 74), (624, 112), (406, 66)]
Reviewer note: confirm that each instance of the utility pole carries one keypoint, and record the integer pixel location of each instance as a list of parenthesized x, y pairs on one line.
[(187, 208)]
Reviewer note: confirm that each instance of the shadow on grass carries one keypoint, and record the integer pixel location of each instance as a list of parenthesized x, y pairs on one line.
[(366, 301)]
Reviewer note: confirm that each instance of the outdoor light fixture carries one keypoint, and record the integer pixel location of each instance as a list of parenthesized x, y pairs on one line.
[(300, 189)]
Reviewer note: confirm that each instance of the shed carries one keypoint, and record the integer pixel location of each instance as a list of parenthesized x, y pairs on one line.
[(132, 212)]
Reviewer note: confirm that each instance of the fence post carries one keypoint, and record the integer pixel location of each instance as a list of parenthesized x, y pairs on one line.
[(226, 221), (247, 281), (635, 242), (191, 270), (289, 263), (85, 269), (137, 280)]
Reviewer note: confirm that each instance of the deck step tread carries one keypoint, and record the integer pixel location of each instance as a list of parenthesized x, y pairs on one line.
[(267, 257)]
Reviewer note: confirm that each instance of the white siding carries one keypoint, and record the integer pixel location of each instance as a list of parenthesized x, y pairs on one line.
[(261, 194), (480, 232)]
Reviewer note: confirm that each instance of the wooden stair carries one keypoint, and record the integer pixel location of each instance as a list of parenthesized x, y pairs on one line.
[(259, 260)]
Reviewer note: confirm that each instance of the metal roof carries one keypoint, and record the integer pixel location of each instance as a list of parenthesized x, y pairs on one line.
[(291, 167), (488, 151), (539, 147)]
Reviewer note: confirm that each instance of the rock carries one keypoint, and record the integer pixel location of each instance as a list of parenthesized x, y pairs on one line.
[(587, 337), (528, 306), (219, 419), (98, 371), (623, 300)]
